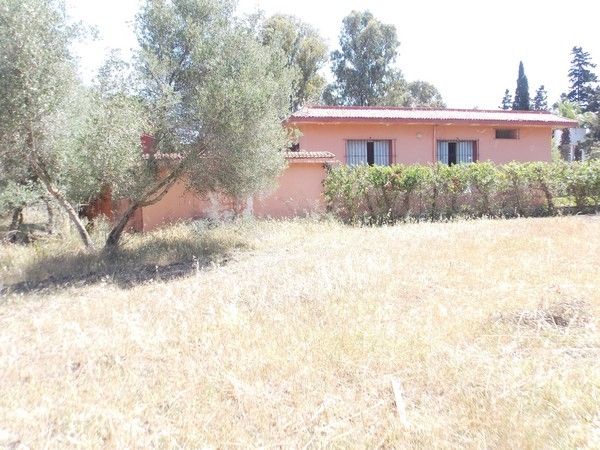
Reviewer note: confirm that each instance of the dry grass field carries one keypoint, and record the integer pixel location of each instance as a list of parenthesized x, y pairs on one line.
[(289, 335)]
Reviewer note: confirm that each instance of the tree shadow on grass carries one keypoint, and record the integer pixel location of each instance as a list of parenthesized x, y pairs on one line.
[(157, 258)]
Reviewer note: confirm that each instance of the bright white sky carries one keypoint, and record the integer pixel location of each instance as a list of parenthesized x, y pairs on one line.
[(470, 49)]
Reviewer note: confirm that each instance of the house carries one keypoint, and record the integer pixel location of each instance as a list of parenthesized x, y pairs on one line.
[(373, 135)]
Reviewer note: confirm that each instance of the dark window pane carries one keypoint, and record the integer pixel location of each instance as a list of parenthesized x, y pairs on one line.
[(506, 134), (370, 153), (451, 153)]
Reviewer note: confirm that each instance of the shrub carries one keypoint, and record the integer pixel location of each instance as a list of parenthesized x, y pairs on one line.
[(582, 183), (387, 194), (484, 181)]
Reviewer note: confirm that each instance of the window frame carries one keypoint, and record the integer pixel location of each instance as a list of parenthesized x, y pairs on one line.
[(510, 130), (391, 150), (474, 154)]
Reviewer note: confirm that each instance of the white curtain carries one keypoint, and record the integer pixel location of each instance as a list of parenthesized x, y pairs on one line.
[(464, 151), (382, 153), (356, 153), (442, 152)]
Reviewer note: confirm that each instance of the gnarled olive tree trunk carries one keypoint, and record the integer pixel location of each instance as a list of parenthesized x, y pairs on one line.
[(151, 196)]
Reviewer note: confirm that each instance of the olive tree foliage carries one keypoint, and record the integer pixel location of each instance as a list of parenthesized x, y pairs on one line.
[(305, 53), (69, 138), (36, 76), (215, 96), (193, 88), (18, 189), (100, 142)]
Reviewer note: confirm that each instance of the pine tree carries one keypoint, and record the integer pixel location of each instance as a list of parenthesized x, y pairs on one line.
[(521, 102), (540, 102), (581, 79), (506, 100), (594, 104)]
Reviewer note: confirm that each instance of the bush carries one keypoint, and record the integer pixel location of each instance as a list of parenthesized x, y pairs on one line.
[(387, 194)]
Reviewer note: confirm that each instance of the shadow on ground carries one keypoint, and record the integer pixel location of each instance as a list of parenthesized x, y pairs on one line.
[(157, 259)]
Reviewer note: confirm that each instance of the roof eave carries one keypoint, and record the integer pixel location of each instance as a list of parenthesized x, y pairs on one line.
[(310, 160), (387, 121)]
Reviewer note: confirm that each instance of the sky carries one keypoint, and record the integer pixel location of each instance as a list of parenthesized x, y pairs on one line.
[(470, 50)]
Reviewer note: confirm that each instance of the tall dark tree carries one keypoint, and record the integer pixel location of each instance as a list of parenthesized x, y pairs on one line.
[(569, 110), (522, 102), (581, 78), (565, 144), (363, 66), (591, 145), (594, 103), (506, 100), (540, 102)]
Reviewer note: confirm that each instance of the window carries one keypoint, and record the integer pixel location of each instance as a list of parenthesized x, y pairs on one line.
[(368, 152), (456, 152), (502, 133)]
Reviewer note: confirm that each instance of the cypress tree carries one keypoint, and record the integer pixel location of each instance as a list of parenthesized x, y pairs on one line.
[(506, 100), (521, 102)]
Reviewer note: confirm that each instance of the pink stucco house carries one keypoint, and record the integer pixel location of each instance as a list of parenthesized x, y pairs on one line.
[(374, 135)]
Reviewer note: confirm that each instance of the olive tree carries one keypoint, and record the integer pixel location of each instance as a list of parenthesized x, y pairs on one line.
[(215, 97), (71, 139), (37, 73), (100, 147), (18, 189), (203, 86)]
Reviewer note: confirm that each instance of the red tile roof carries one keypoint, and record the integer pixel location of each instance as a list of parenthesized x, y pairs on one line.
[(433, 116), (302, 154)]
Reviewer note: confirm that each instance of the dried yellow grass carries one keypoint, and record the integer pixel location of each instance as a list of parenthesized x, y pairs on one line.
[(289, 334)]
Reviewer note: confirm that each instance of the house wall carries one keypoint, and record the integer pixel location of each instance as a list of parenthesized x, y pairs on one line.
[(299, 189), (415, 144), (180, 204), (299, 192)]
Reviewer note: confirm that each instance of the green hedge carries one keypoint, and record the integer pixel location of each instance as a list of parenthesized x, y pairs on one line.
[(387, 194)]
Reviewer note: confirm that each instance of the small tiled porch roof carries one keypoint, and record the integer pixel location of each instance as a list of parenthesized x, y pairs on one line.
[(304, 155), (320, 114)]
